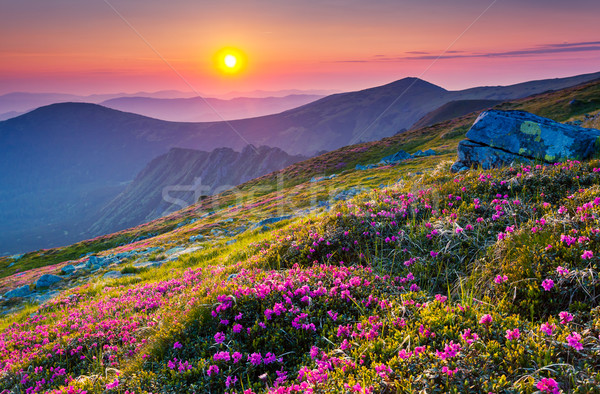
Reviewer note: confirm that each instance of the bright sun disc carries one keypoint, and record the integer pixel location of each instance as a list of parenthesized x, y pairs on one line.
[(230, 61)]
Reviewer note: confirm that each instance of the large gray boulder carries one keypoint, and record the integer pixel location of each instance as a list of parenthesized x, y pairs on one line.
[(47, 280), (500, 137), (473, 154)]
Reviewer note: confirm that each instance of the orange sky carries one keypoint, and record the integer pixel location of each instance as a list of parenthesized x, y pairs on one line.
[(112, 46)]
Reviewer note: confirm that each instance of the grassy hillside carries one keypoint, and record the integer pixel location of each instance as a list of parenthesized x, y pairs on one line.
[(424, 281)]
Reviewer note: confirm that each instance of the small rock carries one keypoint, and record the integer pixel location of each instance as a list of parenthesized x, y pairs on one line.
[(47, 280), (230, 277), (174, 250), (395, 158), (67, 269), (195, 238), (428, 152), (47, 296), (112, 275), (149, 264), (273, 220), (22, 291)]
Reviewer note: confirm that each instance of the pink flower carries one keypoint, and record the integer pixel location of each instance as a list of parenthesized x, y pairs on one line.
[(548, 284), (177, 345), (450, 350), (588, 254), (574, 340), (403, 354), (500, 279), (562, 271), (547, 328), (255, 358), (219, 337), (469, 337), (513, 334), (113, 385), (237, 356), (433, 254), (486, 319), (565, 317), (231, 381), (213, 369), (440, 298), (449, 371), (547, 385)]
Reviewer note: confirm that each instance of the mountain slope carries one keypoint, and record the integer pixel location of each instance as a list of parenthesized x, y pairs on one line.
[(197, 109), (453, 109), (179, 178)]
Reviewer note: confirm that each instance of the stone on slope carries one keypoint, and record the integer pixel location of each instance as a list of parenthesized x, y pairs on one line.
[(68, 269), (428, 152), (472, 154), (22, 291), (396, 157), (499, 138), (112, 275), (47, 280), (532, 136), (272, 220)]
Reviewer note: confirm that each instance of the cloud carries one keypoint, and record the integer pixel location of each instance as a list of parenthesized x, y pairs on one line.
[(585, 46)]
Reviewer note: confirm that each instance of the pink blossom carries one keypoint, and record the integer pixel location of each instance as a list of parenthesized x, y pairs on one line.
[(562, 271), (513, 334), (448, 371), (113, 385), (486, 319), (565, 317), (548, 284), (469, 337), (574, 340), (588, 254), (547, 385), (450, 350), (219, 337), (177, 345), (212, 370), (230, 381), (547, 328), (500, 279)]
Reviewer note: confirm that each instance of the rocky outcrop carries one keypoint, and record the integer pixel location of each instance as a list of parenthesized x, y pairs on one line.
[(47, 280), (22, 291), (500, 138)]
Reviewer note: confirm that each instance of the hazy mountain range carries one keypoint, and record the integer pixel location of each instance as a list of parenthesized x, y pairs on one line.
[(199, 109), (171, 104), (61, 164)]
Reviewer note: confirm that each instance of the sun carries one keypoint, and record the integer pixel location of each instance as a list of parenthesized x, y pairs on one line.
[(230, 60)]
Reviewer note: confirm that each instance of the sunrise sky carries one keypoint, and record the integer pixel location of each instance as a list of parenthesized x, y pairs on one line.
[(107, 46)]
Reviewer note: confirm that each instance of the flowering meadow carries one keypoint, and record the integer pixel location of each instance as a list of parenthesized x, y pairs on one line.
[(484, 281)]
